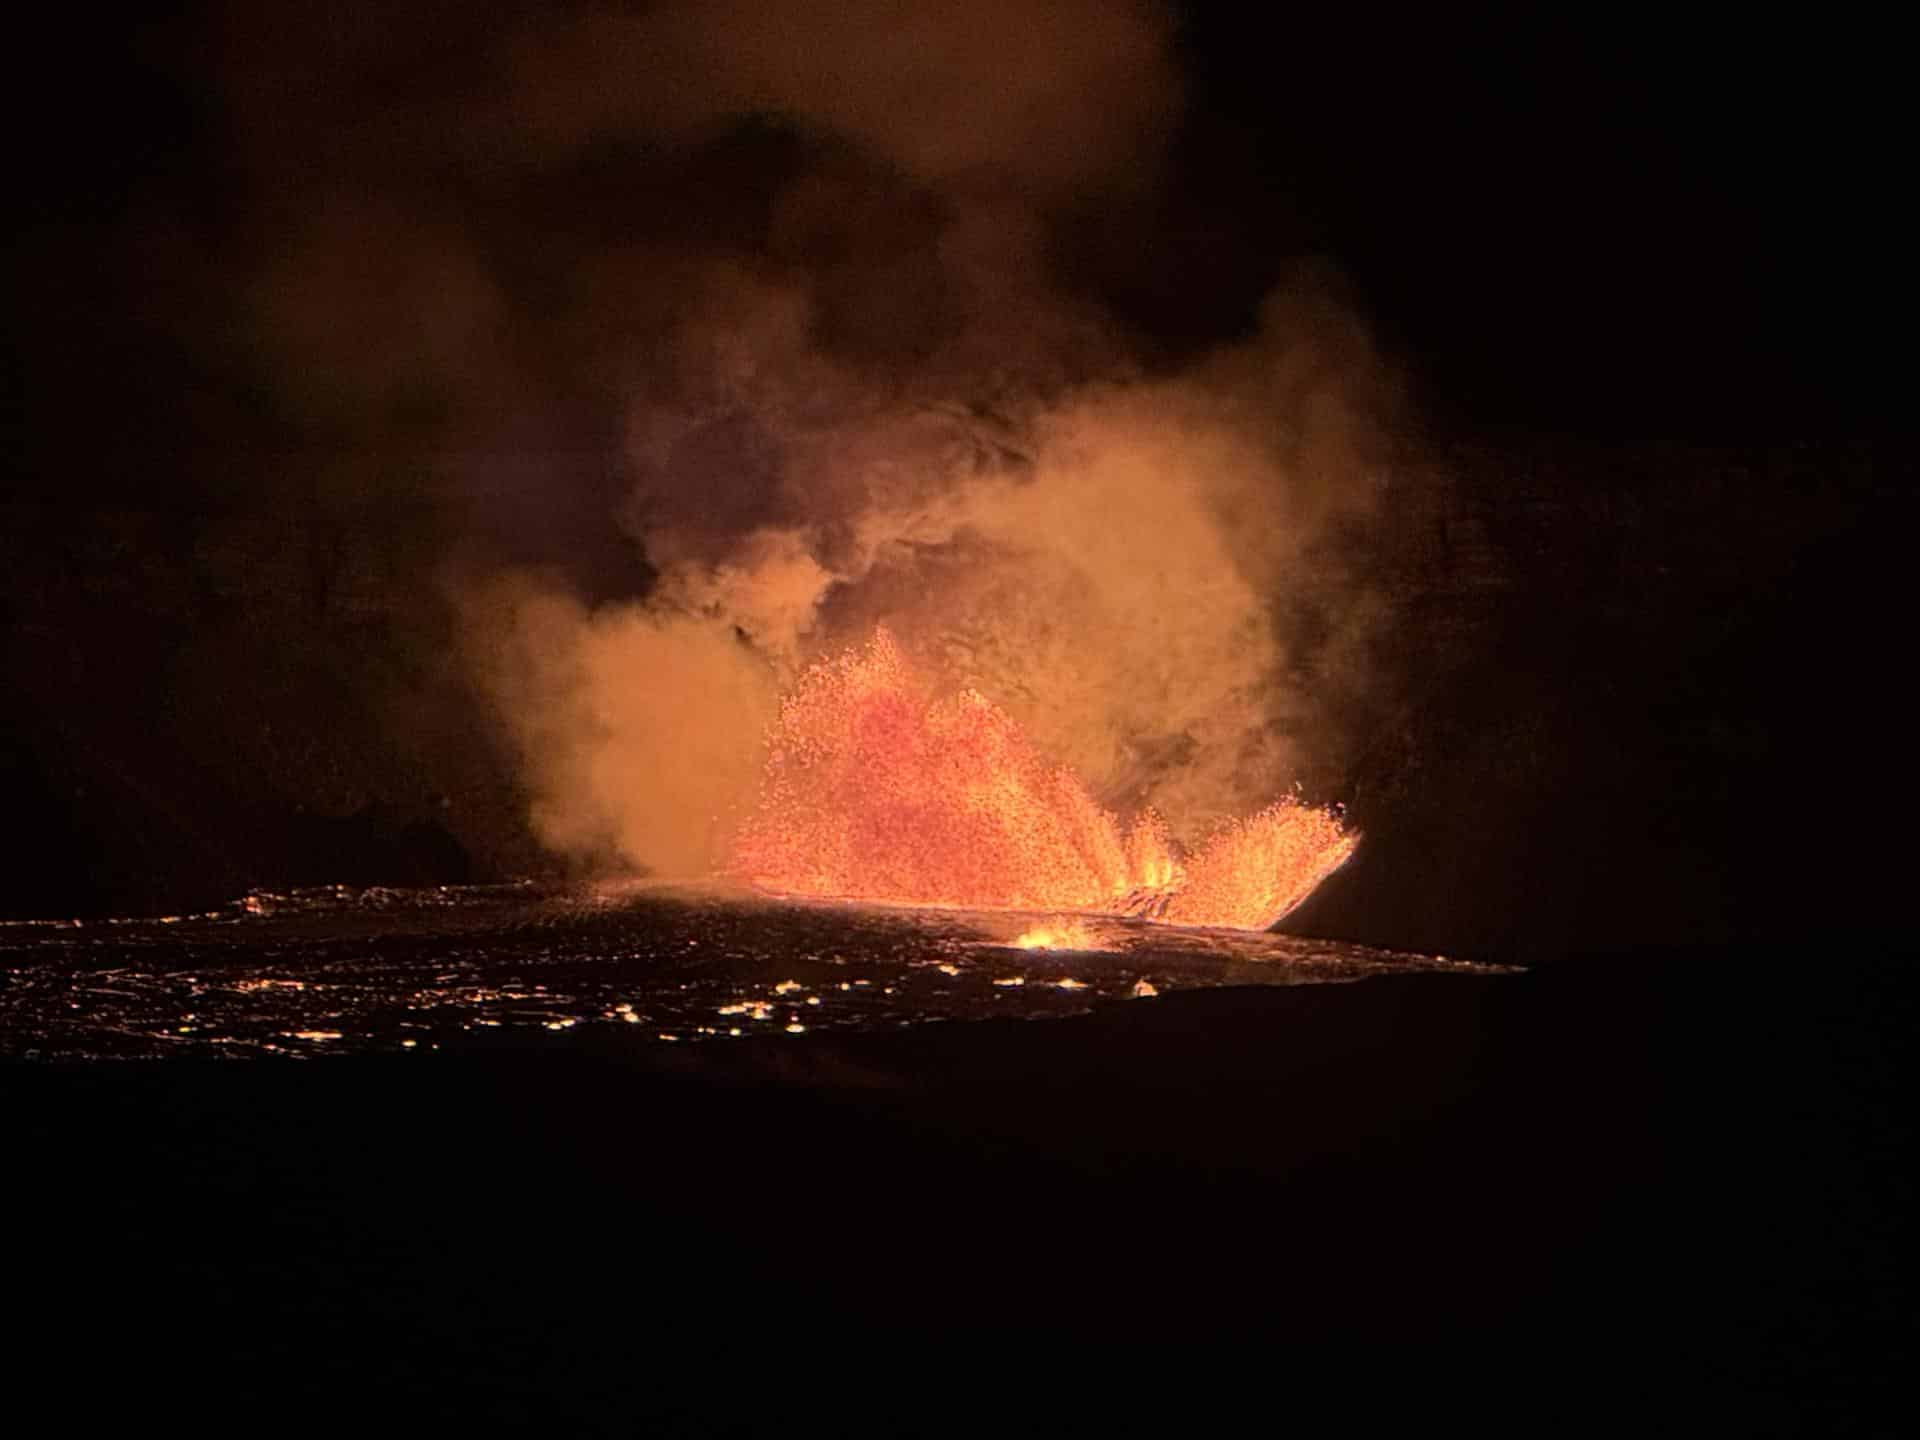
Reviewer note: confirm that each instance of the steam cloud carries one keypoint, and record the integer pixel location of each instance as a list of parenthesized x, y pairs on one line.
[(832, 373)]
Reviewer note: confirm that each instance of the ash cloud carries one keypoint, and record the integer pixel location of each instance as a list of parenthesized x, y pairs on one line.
[(721, 332)]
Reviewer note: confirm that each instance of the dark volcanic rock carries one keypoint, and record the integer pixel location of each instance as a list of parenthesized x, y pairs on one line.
[(1179, 1204)]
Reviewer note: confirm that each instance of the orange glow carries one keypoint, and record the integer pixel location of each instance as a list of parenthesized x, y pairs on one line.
[(875, 790), (1060, 934)]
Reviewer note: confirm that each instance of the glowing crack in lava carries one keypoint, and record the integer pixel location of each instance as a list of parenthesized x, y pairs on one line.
[(874, 790)]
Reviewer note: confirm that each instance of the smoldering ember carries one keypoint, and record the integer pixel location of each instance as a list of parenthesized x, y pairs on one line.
[(932, 715)]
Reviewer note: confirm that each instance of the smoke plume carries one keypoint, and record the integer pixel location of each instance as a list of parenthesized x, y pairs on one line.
[(820, 359)]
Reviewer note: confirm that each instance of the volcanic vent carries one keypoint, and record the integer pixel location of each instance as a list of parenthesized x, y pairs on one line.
[(876, 789)]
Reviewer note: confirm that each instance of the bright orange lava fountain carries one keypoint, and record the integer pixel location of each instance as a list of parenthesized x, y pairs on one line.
[(874, 791)]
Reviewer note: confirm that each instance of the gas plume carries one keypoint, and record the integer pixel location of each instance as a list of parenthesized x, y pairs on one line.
[(896, 413), (724, 332), (1111, 567), (638, 728)]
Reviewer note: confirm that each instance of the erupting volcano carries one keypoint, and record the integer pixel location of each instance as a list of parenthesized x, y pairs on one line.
[(876, 790)]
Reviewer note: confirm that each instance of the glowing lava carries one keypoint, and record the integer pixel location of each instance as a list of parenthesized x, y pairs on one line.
[(1060, 934), (873, 790)]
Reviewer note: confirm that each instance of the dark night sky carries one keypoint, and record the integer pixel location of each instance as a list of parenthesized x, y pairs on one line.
[(1592, 241), (1614, 226), (1606, 225)]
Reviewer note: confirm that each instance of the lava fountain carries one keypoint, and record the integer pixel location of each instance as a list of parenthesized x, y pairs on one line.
[(874, 789)]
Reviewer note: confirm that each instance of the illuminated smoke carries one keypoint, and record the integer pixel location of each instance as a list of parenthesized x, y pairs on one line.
[(1109, 570), (815, 367), (638, 732)]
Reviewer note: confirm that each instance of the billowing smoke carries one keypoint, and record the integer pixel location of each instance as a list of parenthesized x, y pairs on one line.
[(1112, 566), (820, 359), (639, 727)]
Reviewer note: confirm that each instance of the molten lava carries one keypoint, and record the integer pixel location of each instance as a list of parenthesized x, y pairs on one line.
[(873, 790), (1061, 934)]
